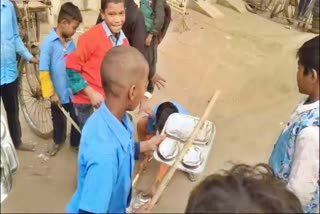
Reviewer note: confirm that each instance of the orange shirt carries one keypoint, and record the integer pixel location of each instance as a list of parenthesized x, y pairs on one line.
[(87, 58)]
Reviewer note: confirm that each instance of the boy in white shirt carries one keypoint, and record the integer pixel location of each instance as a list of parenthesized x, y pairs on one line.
[(295, 157)]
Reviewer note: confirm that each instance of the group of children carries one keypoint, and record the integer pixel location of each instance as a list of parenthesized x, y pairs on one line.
[(105, 74)]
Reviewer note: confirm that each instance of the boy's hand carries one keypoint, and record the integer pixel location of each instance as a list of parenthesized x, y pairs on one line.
[(34, 60), (151, 144), (96, 99), (148, 40), (158, 81), (55, 99)]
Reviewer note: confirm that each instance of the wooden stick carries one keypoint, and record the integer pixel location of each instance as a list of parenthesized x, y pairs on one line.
[(69, 118), (185, 149), (136, 178)]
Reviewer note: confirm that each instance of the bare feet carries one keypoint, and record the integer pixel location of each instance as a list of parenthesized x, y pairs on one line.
[(26, 147)]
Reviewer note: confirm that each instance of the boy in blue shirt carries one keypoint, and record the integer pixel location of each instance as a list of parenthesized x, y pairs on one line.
[(53, 76), (11, 44), (107, 148)]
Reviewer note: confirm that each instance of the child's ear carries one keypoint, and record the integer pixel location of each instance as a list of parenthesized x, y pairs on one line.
[(102, 14), (132, 92), (315, 75)]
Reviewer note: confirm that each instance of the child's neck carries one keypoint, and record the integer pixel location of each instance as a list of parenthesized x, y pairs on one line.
[(313, 97), (116, 107), (62, 39)]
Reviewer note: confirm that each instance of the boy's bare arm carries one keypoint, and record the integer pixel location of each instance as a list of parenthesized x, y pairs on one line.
[(151, 144)]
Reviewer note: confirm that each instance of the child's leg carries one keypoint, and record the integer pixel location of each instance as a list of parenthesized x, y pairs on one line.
[(151, 56), (163, 169), (59, 129), (83, 112), (74, 135), (142, 129)]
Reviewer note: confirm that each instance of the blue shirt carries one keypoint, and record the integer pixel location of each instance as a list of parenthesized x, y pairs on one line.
[(52, 59), (11, 43), (116, 41), (151, 125), (105, 164)]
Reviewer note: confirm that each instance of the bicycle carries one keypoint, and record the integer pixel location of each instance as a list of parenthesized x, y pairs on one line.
[(36, 109)]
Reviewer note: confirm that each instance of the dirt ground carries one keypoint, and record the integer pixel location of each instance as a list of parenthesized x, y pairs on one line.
[(249, 58)]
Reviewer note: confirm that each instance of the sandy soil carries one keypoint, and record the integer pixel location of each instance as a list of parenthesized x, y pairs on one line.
[(249, 58)]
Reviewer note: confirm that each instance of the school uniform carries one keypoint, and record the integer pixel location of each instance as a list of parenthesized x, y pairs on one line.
[(151, 124), (11, 44), (295, 157), (105, 164), (84, 65), (54, 78)]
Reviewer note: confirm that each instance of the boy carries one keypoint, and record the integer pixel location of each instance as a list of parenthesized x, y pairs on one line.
[(148, 126), (243, 189), (295, 157), (133, 27), (155, 18), (53, 76), (83, 65), (107, 150), (11, 44)]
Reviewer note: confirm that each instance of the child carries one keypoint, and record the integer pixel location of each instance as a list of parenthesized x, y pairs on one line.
[(133, 27), (148, 126), (83, 65), (243, 189), (155, 22), (107, 148), (295, 157), (11, 44), (53, 76)]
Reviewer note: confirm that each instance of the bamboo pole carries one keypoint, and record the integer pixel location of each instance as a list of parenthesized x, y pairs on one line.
[(185, 149), (69, 118)]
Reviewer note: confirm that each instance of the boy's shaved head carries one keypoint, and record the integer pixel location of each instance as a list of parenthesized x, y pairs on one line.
[(122, 67)]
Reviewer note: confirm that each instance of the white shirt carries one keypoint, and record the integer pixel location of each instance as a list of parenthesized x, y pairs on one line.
[(304, 175)]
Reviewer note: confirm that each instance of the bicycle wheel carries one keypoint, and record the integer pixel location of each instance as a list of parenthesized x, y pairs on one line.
[(36, 109), (291, 10)]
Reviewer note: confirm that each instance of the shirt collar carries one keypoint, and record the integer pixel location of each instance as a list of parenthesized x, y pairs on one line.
[(307, 107), (54, 36), (122, 130), (108, 31)]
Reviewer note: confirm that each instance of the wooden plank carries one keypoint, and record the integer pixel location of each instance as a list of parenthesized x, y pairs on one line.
[(205, 7), (237, 5)]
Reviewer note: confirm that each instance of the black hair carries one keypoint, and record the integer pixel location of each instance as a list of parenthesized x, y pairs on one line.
[(163, 112), (243, 189), (69, 11), (308, 55), (104, 3)]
